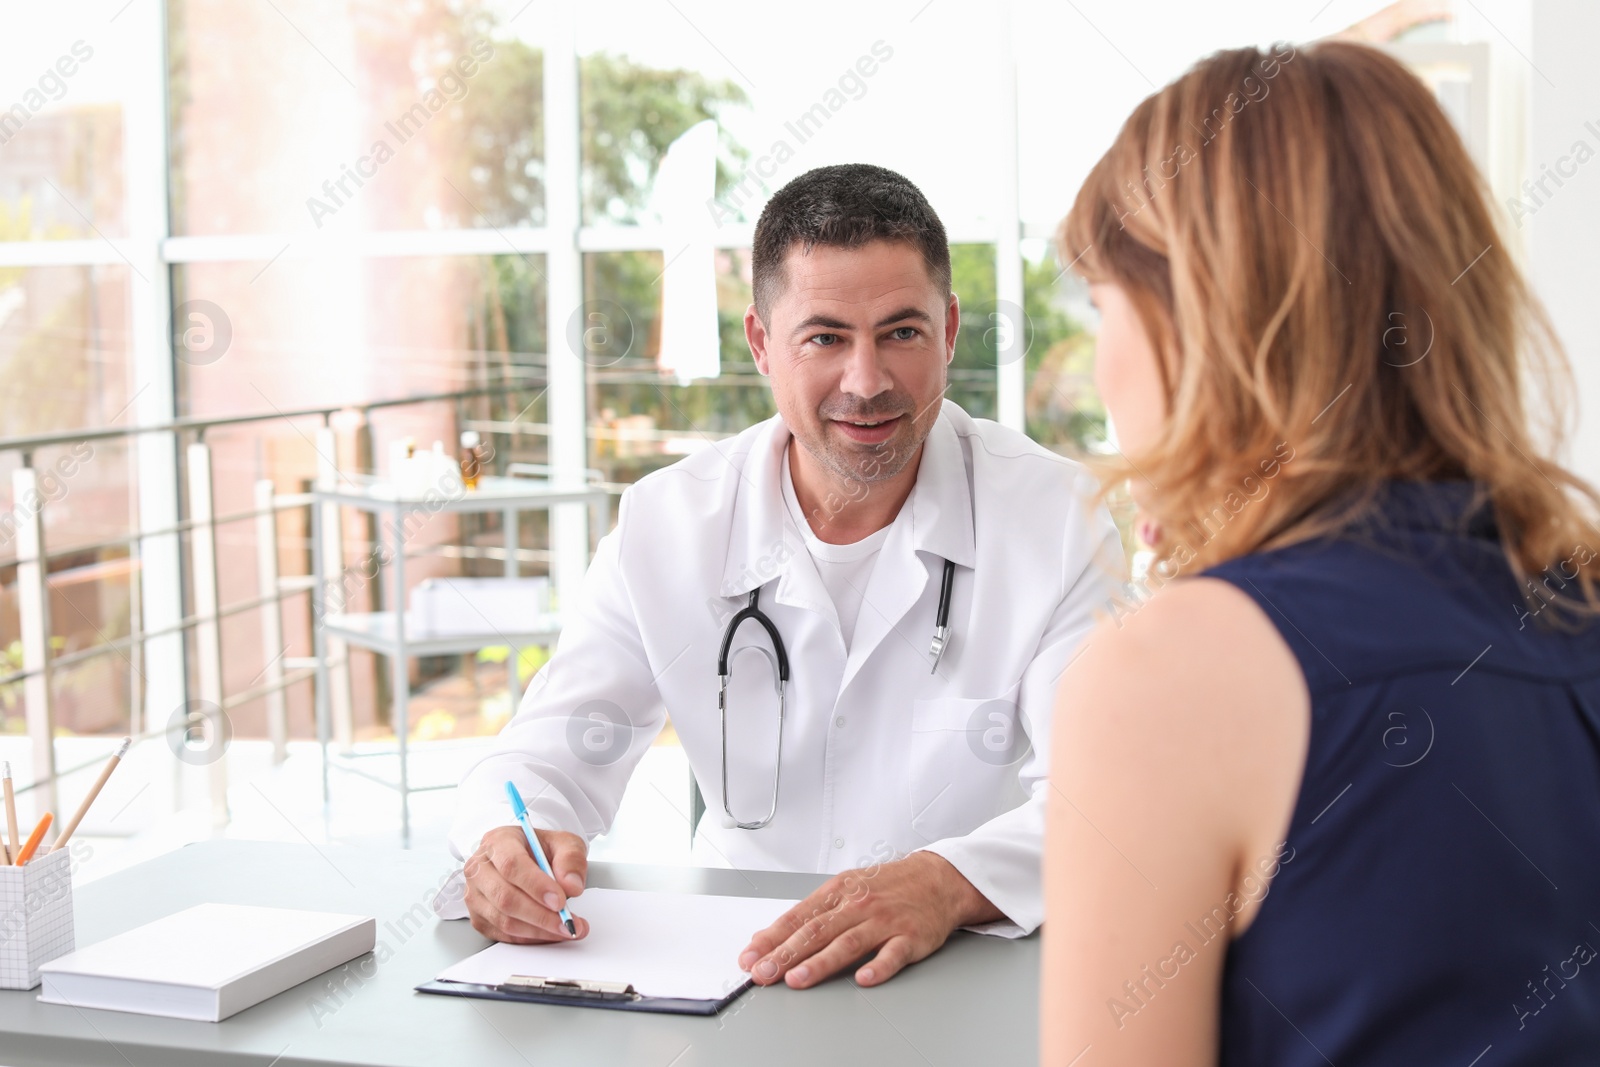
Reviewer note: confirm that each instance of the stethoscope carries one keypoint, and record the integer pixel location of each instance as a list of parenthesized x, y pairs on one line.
[(752, 611)]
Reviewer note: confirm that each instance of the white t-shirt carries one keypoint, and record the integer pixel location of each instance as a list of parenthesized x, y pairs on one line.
[(844, 569)]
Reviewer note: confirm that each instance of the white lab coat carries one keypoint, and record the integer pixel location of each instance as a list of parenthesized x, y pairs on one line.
[(880, 756)]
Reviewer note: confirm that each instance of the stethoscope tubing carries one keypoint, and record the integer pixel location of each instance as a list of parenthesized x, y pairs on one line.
[(752, 611)]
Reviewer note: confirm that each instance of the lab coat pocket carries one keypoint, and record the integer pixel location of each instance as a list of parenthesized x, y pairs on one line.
[(963, 763)]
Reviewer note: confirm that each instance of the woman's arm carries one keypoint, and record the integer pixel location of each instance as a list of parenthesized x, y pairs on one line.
[(1180, 739)]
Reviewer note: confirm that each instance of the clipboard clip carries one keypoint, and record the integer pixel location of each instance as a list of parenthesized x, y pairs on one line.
[(579, 988)]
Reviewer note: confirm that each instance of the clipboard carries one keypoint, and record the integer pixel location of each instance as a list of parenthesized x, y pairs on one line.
[(617, 996), (673, 953)]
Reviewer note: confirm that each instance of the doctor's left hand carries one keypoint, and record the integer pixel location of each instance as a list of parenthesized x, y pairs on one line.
[(902, 911)]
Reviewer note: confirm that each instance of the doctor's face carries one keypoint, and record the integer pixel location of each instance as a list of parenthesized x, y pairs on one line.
[(857, 344)]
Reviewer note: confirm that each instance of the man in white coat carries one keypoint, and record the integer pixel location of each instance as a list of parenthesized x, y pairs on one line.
[(920, 785)]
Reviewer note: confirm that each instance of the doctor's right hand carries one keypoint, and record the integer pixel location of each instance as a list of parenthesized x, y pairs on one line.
[(510, 899)]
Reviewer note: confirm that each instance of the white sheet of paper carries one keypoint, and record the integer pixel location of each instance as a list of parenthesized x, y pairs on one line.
[(666, 944)]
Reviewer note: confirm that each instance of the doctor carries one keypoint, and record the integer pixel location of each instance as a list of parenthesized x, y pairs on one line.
[(918, 779)]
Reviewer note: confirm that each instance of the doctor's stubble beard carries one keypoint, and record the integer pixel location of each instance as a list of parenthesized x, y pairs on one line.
[(869, 463)]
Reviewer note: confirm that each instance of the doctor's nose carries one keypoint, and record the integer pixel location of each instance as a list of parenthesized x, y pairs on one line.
[(865, 374)]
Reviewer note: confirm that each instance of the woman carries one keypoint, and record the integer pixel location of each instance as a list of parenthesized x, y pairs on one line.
[(1365, 669)]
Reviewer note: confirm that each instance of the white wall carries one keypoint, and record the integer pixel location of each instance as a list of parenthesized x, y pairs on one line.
[(1563, 232)]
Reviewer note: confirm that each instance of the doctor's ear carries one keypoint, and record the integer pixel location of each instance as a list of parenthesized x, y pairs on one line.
[(755, 335), (952, 326)]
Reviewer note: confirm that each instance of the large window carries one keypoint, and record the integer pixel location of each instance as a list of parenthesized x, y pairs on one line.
[(304, 204), (301, 118), (66, 293)]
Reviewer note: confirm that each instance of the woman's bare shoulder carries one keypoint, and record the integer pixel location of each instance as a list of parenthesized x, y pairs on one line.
[(1196, 695)]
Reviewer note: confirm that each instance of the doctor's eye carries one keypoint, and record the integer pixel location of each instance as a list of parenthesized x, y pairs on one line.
[(825, 340), (905, 333)]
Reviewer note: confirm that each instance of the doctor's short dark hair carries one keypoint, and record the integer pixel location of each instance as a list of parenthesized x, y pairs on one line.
[(844, 206)]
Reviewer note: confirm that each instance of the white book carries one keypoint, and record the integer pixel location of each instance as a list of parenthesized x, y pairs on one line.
[(206, 962)]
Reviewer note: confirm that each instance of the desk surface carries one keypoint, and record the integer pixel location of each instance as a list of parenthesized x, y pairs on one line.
[(975, 1001)]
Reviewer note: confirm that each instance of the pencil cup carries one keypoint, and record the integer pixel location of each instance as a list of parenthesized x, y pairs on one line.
[(35, 917)]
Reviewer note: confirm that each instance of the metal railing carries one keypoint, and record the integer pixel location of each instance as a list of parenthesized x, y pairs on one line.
[(32, 562)]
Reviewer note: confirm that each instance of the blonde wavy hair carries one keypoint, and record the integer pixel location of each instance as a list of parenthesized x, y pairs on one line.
[(1313, 255)]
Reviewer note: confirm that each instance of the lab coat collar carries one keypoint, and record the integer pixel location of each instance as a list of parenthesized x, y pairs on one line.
[(941, 502), (763, 538)]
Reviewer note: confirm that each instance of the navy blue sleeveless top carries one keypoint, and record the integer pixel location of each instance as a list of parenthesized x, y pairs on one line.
[(1438, 901)]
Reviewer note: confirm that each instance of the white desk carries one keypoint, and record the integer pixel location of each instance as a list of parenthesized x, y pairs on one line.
[(973, 1002)]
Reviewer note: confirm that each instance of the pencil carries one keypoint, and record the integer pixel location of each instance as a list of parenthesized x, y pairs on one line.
[(13, 837), (100, 783), (34, 838)]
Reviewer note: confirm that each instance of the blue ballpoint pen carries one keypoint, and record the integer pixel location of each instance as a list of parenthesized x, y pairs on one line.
[(520, 810)]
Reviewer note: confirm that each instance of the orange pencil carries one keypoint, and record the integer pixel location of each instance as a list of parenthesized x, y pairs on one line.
[(34, 838)]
